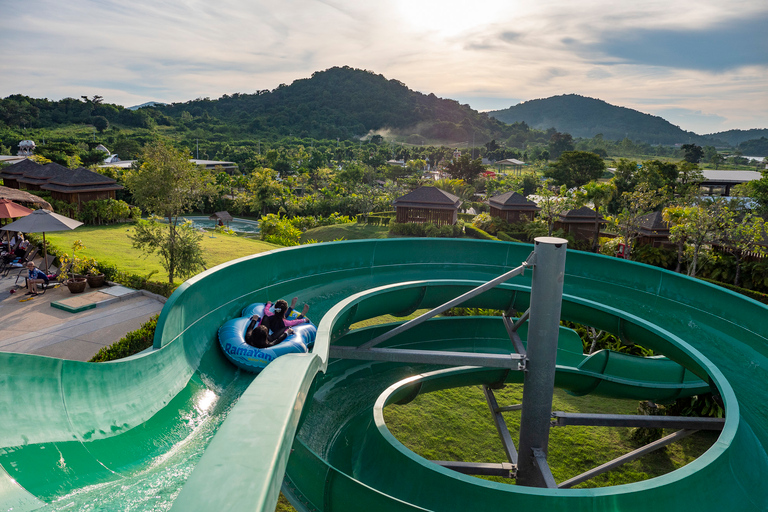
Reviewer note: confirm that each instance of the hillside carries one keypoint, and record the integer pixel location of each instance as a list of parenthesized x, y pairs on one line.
[(343, 102), (586, 117), (736, 137)]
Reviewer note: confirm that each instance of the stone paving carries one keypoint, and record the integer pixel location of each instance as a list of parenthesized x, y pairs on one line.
[(76, 326)]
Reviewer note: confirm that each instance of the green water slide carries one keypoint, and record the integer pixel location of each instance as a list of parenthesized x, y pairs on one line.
[(179, 428)]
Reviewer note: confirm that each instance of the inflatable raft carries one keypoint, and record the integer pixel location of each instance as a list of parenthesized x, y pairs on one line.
[(232, 341)]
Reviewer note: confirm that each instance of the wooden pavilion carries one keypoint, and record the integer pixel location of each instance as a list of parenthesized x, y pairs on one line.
[(512, 207), (427, 204)]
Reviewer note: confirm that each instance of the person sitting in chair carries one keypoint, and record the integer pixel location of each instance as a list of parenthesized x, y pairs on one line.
[(36, 276)]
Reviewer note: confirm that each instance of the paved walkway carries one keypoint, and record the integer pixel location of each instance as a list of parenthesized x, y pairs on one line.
[(35, 327)]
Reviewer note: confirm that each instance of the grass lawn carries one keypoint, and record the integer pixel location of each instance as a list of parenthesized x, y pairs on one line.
[(110, 244), (352, 231), (455, 424)]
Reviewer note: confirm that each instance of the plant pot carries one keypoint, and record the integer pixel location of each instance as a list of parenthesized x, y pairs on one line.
[(77, 284), (95, 281)]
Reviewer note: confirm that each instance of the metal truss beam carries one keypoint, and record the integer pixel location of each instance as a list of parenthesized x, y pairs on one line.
[(562, 419)]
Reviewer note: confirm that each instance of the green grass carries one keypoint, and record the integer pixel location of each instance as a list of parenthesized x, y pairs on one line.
[(352, 231), (456, 424), (110, 244)]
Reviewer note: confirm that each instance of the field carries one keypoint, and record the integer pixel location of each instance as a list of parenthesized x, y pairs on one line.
[(111, 245)]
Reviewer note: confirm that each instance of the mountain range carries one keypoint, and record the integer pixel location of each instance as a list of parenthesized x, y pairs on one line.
[(587, 117)]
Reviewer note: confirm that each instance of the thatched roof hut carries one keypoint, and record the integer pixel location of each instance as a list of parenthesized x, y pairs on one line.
[(20, 196), (221, 216)]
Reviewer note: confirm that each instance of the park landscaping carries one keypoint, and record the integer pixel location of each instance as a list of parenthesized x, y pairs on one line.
[(111, 246)]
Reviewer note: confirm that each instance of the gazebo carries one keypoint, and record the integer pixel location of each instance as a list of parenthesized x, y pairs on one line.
[(428, 204), (21, 196), (512, 207), (579, 222), (222, 217), (654, 231)]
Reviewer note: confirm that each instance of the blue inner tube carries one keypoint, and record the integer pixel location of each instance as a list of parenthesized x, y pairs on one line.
[(232, 341)]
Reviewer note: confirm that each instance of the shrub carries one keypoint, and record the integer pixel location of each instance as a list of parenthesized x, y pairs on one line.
[(133, 343), (478, 233), (505, 237), (426, 230)]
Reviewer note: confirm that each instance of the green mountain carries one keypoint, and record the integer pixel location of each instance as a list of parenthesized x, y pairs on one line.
[(345, 103), (586, 117), (736, 137)]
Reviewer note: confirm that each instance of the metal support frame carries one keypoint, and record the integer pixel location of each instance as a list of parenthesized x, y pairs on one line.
[(448, 305), (502, 469), (562, 419), (539, 383), (394, 355), (540, 461), (501, 425), (608, 466)]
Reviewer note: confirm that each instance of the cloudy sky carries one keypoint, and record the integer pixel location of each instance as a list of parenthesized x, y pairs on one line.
[(701, 64)]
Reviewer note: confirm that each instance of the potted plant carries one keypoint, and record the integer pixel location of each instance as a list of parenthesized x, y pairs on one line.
[(94, 276), (75, 282)]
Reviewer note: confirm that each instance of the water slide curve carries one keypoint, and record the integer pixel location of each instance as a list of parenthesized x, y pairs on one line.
[(312, 424)]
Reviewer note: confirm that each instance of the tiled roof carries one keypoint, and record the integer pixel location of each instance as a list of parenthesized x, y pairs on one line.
[(511, 201), (580, 215), (15, 170), (654, 222), (428, 197)]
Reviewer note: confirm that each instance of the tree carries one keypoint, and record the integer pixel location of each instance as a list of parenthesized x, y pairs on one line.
[(739, 237), (178, 248), (100, 123), (560, 143), (692, 153), (697, 226), (599, 194), (262, 188), (166, 184), (552, 204), (576, 168), (635, 205), (464, 168)]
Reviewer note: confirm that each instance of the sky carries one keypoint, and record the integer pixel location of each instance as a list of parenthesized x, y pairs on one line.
[(700, 64)]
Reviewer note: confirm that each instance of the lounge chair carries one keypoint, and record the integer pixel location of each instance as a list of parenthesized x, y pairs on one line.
[(21, 261), (55, 276)]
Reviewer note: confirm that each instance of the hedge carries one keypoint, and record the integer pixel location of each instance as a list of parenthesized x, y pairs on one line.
[(475, 232), (133, 343), (505, 237), (760, 297)]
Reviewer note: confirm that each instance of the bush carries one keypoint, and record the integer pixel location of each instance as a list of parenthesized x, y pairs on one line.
[(426, 230), (506, 238), (760, 297), (478, 233), (133, 343)]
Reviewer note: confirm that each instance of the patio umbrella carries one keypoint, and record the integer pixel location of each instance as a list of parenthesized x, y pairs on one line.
[(11, 210), (41, 221)]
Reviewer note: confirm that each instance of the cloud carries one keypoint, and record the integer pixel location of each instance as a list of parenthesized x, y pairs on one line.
[(718, 47), (498, 51)]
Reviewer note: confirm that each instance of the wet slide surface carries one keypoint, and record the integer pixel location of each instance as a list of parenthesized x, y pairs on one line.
[(182, 429)]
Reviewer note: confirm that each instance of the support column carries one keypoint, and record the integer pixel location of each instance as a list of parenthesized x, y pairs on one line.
[(539, 384)]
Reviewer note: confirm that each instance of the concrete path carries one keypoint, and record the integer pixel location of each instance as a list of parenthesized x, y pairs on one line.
[(34, 327)]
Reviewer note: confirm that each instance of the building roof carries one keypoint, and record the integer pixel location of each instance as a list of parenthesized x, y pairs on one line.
[(21, 196), (654, 224), (43, 174), (509, 161), (428, 197), (224, 216), (19, 168), (81, 180), (583, 214), (713, 176), (512, 201)]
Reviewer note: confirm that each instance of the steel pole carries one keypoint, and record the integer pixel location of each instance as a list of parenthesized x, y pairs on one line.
[(539, 383)]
